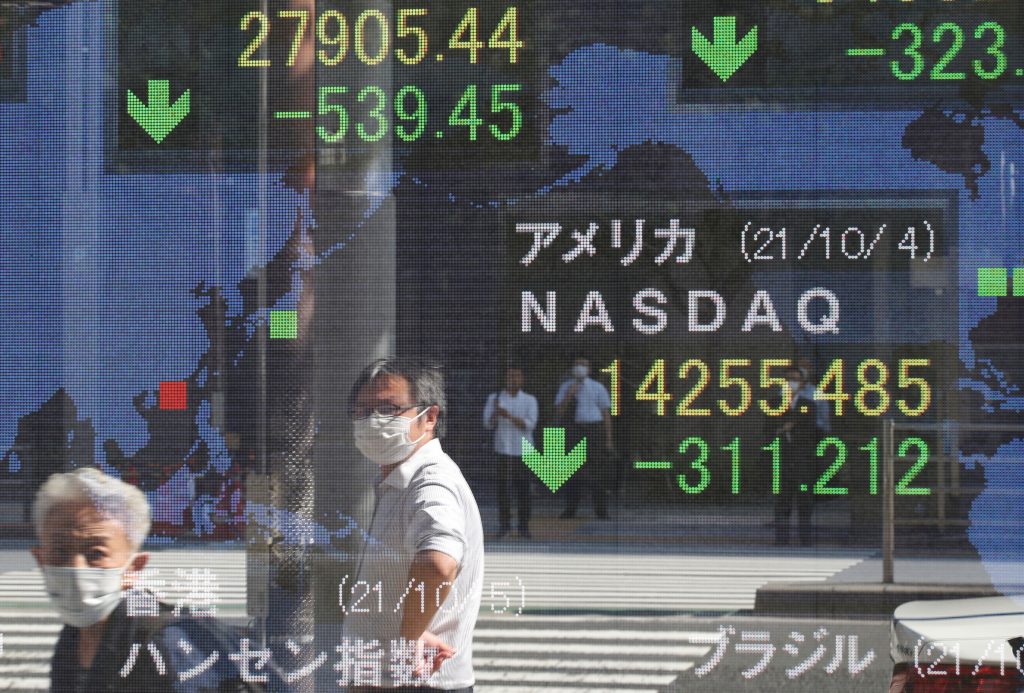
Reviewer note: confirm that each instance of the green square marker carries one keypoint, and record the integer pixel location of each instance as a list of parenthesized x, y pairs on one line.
[(1018, 281), (284, 324), (992, 281)]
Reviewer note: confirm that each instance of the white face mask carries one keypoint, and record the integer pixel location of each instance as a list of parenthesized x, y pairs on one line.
[(794, 386), (580, 371), (385, 439), (84, 596)]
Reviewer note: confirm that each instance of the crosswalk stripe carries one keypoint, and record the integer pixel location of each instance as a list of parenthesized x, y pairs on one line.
[(555, 600), (544, 676), (597, 574), (563, 689), (555, 634), (26, 596), (483, 663), (610, 649), (689, 561), (611, 600), (25, 684), (697, 567), (487, 620), (24, 668), (674, 582), (583, 591), (26, 654), (29, 640), (32, 628)]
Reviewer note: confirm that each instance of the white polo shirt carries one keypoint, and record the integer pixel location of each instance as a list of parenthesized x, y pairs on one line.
[(508, 438), (424, 504), (821, 406), (591, 400)]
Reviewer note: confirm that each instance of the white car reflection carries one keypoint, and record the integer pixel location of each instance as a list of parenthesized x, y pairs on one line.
[(958, 646)]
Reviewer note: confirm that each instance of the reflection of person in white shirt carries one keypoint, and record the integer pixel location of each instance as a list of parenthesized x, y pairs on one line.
[(585, 406), (512, 414), (798, 435), (424, 535), (821, 418)]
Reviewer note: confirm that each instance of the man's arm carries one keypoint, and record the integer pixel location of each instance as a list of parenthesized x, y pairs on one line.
[(435, 536), (436, 571), (490, 411), (530, 419), (605, 403), (565, 396)]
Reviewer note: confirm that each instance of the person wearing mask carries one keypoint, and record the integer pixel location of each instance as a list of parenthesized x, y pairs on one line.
[(90, 528), (425, 537), (821, 419), (512, 414), (798, 436), (585, 406)]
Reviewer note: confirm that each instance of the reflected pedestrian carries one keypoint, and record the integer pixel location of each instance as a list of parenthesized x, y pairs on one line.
[(584, 405), (512, 414), (798, 436), (821, 419)]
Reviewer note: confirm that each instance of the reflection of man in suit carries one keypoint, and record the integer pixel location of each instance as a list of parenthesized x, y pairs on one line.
[(798, 434)]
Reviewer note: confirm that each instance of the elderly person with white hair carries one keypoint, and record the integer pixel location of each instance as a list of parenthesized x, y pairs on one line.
[(91, 527)]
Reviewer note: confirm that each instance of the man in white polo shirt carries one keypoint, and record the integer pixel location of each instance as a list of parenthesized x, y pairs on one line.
[(415, 599), (512, 414), (585, 405)]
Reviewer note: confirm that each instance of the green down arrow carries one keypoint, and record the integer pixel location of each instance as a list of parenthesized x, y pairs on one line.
[(554, 467), (724, 56), (159, 117)]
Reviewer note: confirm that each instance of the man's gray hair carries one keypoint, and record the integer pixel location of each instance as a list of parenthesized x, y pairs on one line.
[(114, 499), (426, 384)]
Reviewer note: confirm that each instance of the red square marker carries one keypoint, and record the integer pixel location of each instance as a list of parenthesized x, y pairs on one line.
[(174, 395)]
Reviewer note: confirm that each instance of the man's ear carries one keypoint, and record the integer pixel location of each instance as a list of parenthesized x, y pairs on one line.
[(136, 565), (139, 562), (433, 412)]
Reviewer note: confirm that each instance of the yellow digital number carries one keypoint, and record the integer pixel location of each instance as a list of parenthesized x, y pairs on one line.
[(245, 59), (727, 380), (905, 380), (656, 377)]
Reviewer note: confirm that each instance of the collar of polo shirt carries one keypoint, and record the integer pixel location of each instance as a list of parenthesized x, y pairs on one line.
[(401, 475)]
